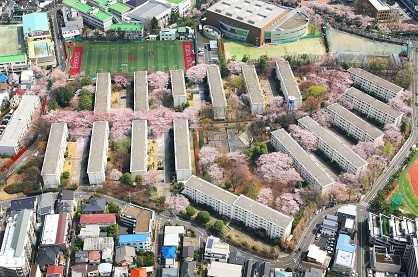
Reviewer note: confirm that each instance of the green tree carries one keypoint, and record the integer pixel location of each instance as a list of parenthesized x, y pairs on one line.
[(176, 187), (223, 67), (154, 26), (85, 81), (388, 150), (251, 190), (52, 104), (203, 217), (113, 208), (316, 91), (63, 96), (113, 230), (174, 16), (190, 211), (404, 76), (187, 21), (139, 180), (65, 175), (85, 100), (127, 179), (146, 258), (217, 227), (262, 63), (255, 151), (245, 58)]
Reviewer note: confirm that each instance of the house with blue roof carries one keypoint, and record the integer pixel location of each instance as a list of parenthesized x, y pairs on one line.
[(35, 23), (139, 241), (345, 253)]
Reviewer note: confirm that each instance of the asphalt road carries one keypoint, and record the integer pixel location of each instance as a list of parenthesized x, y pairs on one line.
[(59, 44)]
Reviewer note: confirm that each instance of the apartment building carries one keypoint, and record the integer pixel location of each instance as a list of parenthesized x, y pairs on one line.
[(253, 88), (371, 107), (182, 154), (374, 85), (353, 125), (240, 208), (103, 94), (55, 230), (10, 140), (288, 84), (333, 147), (308, 168), (141, 91), (216, 92), (140, 219), (380, 10), (18, 243), (96, 167), (53, 164), (139, 147), (216, 250), (178, 87)]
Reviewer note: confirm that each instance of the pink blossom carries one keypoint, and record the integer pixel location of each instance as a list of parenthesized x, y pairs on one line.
[(401, 102), (304, 137), (338, 192), (365, 149), (58, 78), (322, 117), (196, 74), (158, 80), (153, 177), (208, 155), (120, 81), (276, 108), (265, 196), (349, 179), (289, 203), (216, 173), (393, 134), (178, 203), (277, 167), (235, 67)]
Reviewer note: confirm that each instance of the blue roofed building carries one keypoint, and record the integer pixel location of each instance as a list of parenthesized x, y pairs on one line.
[(139, 241), (168, 252), (35, 24), (345, 253)]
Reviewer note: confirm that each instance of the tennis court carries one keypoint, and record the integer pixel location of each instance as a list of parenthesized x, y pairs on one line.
[(127, 57)]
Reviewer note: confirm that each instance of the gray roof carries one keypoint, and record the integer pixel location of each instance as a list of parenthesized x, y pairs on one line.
[(375, 79), (46, 201), (288, 79), (356, 121), (95, 205), (178, 85), (187, 269), (67, 194), (103, 92), (252, 84), (57, 137), (21, 231), (216, 88), (263, 211), (169, 272), (98, 152), (299, 154), (140, 91), (211, 190), (250, 12), (373, 102), (148, 10), (182, 144), (123, 253), (139, 143), (332, 140)]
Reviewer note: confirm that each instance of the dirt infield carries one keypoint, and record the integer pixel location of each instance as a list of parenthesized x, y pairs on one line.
[(413, 174)]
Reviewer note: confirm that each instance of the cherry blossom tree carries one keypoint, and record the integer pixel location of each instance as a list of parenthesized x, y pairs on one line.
[(276, 108), (289, 203), (365, 149), (178, 203), (58, 78), (401, 102), (304, 137), (393, 134), (120, 81), (38, 71), (349, 179), (338, 192), (322, 117), (40, 87), (197, 74), (158, 80), (208, 155), (277, 167), (265, 196), (153, 177), (216, 173), (235, 67)]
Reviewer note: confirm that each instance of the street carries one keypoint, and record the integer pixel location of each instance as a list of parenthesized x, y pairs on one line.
[(59, 45)]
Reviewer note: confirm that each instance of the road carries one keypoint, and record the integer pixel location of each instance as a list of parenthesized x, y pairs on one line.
[(59, 44)]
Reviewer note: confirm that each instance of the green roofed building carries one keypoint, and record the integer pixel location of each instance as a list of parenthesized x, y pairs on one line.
[(115, 7), (92, 16)]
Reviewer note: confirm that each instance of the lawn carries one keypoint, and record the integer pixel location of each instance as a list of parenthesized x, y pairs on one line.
[(310, 46), (410, 201), (127, 57)]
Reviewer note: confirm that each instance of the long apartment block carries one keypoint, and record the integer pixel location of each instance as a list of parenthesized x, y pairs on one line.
[(139, 147), (141, 91), (216, 92), (288, 84), (103, 95), (182, 153), (253, 88), (96, 167), (353, 125), (374, 85), (178, 87), (53, 164), (371, 107), (333, 147), (308, 168), (240, 208)]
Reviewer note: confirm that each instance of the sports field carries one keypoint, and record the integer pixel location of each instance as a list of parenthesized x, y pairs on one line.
[(127, 57)]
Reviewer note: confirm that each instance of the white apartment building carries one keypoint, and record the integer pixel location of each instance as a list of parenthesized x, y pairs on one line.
[(371, 107), (353, 125), (168, 34), (216, 250), (178, 87), (96, 167), (374, 85), (18, 243), (182, 153), (308, 168), (141, 91), (103, 94), (183, 7), (139, 147), (53, 164), (288, 84), (55, 230), (18, 125), (240, 208), (216, 92), (253, 88), (333, 147)]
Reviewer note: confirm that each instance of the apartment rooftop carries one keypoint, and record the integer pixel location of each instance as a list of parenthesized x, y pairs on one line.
[(377, 104), (97, 150), (263, 211), (379, 5), (103, 92), (250, 12), (374, 79), (57, 134), (211, 190), (355, 120), (140, 91), (216, 88), (332, 140), (178, 85), (182, 144), (218, 269), (142, 216), (148, 10), (302, 157), (139, 141), (55, 229), (252, 84), (288, 79)]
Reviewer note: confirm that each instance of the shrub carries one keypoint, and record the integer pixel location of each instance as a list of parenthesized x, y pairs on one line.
[(203, 217), (127, 179)]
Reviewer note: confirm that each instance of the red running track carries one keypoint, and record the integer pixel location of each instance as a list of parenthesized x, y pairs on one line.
[(189, 56), (75, 61), (413, 174)]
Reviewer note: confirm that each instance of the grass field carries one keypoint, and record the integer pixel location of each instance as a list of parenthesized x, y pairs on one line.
[(127, 57), (410, 200)]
